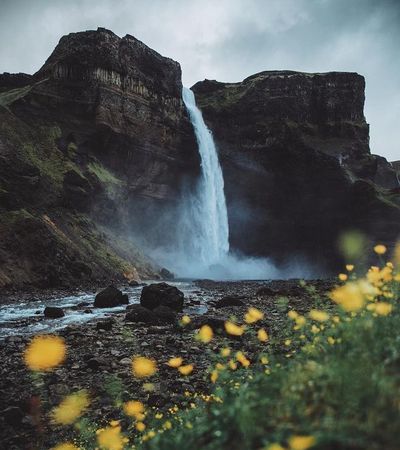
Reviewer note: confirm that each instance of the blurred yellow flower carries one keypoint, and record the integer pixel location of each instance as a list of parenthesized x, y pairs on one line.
[(342, 276), (205, 334), (143, 367), (214, 376), (134, 408), (65, 446), (274, 447), (349, 267), (349, 296), (45, 352), (253, 315), (383, 308), (293, 314), (110, 438), (185, 320), (233, 329), (319, 316), (71, 408), (380, 249), (242, 359), (225, 352), (175, 362), (301, 442), (140, 426), (262, 335), (186, 370)]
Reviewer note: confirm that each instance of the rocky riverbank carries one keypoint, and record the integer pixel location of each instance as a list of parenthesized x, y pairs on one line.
[(100, 352)]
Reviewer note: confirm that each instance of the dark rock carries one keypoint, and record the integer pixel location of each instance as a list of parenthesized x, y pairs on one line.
[(13, 415), (96, 362), (137, 313), (166, 274), (105, 325), (216, 323), (134, 283), (162, 294), (230, 301), (110, 297), (267, 291), (157, 400), (53, 312), (165, 315)]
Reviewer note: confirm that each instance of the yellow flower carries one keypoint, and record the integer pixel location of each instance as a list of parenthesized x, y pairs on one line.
[(264, 360), (225, 352), (242, 359), (143, 367), (380, 249), (262, 335), (45, 352), (175, 362), (383, 308), (148, 387), (349, 296), (331, 340), (214, 376), (232, 328), (110, 438), (186, 370), (232, 364), (349, 267), (140, 426), (275, 447), (319, 316), (293, 315), (315, 329), (301, 442), (185, 320), (205, 334), (253, 315), (134, 408), (342, 277), (65, 446), (71, 408)]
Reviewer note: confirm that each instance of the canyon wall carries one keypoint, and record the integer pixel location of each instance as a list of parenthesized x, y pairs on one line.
[(94, 149), (297, 166)]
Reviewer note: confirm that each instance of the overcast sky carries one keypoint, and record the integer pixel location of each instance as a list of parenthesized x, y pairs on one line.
[(229, 40)]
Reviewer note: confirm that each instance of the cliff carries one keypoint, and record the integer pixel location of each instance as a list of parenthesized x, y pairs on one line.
[(297, 166), (96, 147), (93, 147)]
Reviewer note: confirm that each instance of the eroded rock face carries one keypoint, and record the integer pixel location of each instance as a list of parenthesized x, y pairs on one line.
[(94, 147), (292, 146)]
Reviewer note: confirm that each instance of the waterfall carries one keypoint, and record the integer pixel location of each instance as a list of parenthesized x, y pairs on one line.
[(206, 217)]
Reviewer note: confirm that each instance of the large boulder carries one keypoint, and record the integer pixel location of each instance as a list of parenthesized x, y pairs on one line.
[(161, 315), (162, 294), (53, 312), (110, 297), (137, 313)]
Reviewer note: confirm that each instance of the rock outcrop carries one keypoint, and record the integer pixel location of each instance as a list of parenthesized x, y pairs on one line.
[(294, 149), (93, 149)]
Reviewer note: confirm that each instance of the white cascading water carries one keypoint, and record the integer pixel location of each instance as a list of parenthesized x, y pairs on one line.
[(209, 242)]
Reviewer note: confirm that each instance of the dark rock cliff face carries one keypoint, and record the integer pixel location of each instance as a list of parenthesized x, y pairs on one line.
[(298, 171), (96, 143), (95, 147)]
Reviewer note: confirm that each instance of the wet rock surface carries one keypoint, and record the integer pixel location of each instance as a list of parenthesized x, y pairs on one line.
[(110, 298), (162, 294), (100, 352)]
